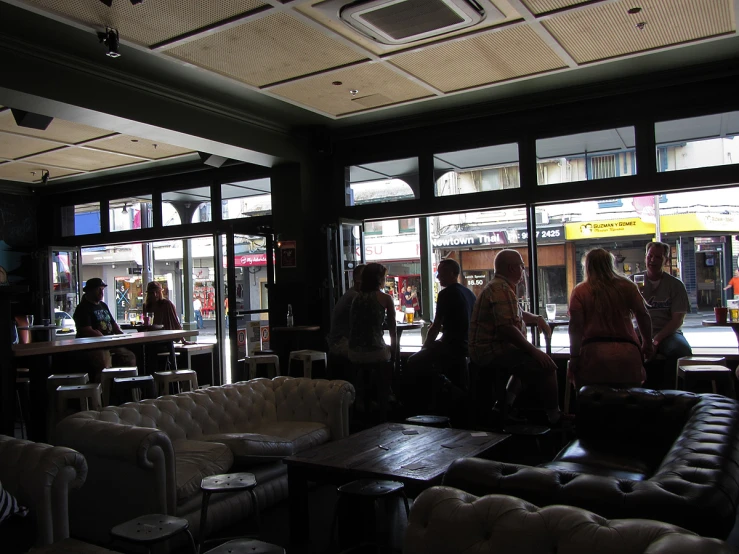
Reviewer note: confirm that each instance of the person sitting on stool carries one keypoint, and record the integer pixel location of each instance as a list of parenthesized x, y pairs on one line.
[(498, 336), (453, 312)]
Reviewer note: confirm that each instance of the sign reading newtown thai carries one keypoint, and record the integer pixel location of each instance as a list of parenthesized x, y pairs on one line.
[(503, 237), (608, 228)]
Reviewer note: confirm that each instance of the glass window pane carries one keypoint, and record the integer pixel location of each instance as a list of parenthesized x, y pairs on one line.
[(186, 206), (130, 213), (477, 170), (382, 182), (246, 199), (586, 156), (704, 141), (82, 219)]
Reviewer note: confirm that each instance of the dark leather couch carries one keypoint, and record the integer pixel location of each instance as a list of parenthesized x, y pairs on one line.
[(672, 456)]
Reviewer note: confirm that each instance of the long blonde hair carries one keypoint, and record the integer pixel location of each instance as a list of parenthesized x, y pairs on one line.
[(608, 285)]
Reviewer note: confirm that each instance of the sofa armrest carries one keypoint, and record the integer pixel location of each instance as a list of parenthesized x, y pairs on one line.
[(40, 476), (674, 499), (316, 400)]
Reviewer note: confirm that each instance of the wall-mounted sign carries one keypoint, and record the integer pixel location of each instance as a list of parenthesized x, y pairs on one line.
[(135, 270), (608, 228), (288, 254), (502, 237)]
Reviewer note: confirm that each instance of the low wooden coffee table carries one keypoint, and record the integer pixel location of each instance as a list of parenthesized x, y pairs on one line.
[(417, 456)]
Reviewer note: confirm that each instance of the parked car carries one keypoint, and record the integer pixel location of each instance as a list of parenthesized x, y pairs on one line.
[(64, 323)]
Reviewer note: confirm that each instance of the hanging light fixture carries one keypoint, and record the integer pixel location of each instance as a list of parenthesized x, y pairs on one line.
[(125, 208)]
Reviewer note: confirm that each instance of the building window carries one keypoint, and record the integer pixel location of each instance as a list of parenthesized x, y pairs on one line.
[(378, 182), (407, 225), (603, 167), (477, 170), (246, 199), (373, 227)]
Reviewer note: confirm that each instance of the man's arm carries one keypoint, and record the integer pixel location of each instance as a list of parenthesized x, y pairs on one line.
[(670, 327), (434, 330), (514, 336)]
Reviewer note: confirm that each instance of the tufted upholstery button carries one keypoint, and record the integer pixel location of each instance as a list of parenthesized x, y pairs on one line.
[(508, 470), (626, 486)]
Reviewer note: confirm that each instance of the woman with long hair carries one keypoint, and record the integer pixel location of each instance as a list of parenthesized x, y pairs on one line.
[(165, 314), (604, 347)]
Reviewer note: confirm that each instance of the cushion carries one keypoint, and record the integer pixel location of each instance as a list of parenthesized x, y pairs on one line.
[(273, 440), (195, 460), (9, 506)]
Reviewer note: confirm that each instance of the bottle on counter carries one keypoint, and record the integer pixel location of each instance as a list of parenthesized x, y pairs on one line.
[(290, 321)]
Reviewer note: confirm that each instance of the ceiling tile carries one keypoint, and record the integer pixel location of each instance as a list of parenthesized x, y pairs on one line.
[(544, 6), (135, 146), (59, 130), (149, 22), (376, 85), (267, 50), (481, 59), (82, 159), (15, 146), (509, 13), (606, 30), (22, 172)]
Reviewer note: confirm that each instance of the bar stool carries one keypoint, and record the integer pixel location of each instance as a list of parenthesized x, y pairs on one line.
[(307, 357), (264, 359), (110, 373), (90, 395), (52, 382), (228, 482), (143, 385), (153, 528), (163, 360), (247, 546), (696, 360), (692, 373), (361, 496), (165, 378), (23, 400)]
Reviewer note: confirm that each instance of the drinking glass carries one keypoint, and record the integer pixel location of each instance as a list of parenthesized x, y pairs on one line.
[(551, 311), (150, 316), (29, 318), (639, 280)]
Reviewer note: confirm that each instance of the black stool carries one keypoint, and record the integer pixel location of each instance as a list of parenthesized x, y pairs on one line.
[(229, 482), (247, 546), (429, 421), (151, 529), (363, 494), (122, 389)]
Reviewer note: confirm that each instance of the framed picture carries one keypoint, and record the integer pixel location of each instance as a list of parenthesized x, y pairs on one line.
[(288, 254)]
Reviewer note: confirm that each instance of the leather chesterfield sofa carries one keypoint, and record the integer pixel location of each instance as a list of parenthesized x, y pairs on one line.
[(150, 456), (449, 521), (671, 456)]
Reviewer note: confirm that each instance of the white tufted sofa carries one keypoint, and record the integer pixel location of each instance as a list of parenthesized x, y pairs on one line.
[(150, 456), (40, 476), (450, 521)]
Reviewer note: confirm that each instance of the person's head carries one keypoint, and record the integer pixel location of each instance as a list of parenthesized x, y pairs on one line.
[(448, 272), (373, 277), (358, 276), (408, 289), (94, 289), (657, 254), (153, 292), (599, 265), (509, 264)]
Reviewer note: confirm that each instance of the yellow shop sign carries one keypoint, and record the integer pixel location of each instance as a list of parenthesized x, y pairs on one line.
[(608, 228), (678, 223)]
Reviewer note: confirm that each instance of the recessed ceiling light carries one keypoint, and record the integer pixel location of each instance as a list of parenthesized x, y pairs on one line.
[(354, 92), (134, 140), (633, 11), (337, 83)]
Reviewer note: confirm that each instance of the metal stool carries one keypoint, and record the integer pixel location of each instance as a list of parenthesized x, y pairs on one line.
[(692, 373), (429, 421), (365, 493), (307, 357), (110, 373), (229, 482), (143, 384), (165, 378), (163, 359), (151, 529), (696, 360), (90, 395), (52, 382), (263, 359)]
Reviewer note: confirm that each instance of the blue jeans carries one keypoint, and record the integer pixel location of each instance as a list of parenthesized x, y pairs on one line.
[(199, 320), (662, 374)]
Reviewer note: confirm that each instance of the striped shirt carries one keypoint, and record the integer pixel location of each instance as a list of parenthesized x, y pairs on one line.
[(496, 306)]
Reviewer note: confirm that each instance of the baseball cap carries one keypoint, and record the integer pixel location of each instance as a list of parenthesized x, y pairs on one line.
[(94, 283)]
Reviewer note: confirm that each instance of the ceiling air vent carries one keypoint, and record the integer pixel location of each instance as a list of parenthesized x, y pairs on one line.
[(396, 22)]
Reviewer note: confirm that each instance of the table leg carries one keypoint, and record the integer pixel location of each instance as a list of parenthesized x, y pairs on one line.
[(297, 486)]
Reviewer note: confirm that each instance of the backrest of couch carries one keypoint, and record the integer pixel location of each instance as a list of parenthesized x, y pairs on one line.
[(233, 408), (445, 520), (643, 418)]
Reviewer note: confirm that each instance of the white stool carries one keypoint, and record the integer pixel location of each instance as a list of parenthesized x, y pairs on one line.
[(266, 359), (307, 357), (52, 382), (164, 378), (697, 360), (90, 396), (110, 373), (705, 372)]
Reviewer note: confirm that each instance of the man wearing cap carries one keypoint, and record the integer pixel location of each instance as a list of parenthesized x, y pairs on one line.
[(93, 319)]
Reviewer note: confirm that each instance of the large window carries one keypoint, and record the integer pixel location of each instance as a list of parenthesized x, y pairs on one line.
[(82, 219), (186, 206), (477, 170), (130, 213), (586, 156), (704, 141), (382, 182), (246, 199)]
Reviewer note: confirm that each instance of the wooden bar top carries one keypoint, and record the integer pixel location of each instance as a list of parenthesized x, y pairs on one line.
[(91, 343)]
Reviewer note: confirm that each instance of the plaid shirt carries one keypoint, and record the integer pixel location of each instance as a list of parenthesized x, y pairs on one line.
[(497, 305)]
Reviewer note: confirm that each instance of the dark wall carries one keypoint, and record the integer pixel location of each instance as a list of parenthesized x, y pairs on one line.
[(19, 243)]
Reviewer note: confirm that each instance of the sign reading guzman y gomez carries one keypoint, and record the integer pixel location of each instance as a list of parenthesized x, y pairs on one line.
[(504, 237)]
